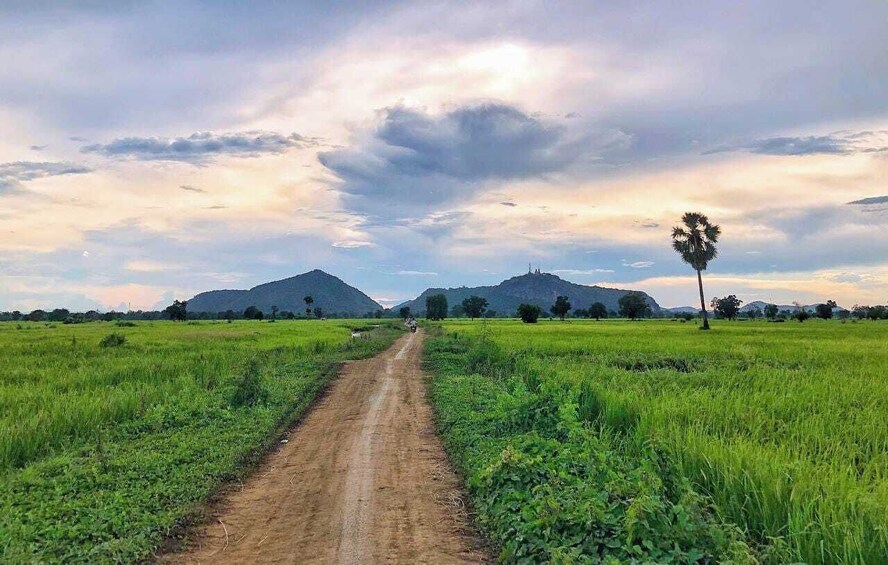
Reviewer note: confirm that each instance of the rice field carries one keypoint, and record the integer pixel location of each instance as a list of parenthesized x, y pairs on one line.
[(781, 429), (108, 445)]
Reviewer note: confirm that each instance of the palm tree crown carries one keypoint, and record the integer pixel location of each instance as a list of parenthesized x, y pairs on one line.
[(695, 241)]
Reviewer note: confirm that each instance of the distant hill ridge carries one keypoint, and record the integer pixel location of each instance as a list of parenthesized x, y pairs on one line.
[(330, 294), (532, 288)]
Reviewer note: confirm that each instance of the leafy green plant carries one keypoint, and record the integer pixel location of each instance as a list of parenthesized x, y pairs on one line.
[(113, 340), (248, 389)]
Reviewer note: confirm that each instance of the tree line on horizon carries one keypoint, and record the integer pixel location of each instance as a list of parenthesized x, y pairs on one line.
[(694, 240), (632, 305)]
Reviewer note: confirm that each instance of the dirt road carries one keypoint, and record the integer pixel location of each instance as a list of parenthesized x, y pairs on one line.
[(363, 479)]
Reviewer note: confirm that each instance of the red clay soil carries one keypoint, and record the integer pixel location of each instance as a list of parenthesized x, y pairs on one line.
[(363, 479)]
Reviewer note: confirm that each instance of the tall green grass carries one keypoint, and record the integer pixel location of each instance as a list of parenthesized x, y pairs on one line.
[(106, 450), (784, 427)]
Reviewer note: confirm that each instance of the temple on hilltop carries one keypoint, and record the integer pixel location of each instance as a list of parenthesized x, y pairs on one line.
[(536, 272)]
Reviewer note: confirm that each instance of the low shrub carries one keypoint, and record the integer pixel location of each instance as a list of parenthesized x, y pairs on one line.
[(113, 340), (248, 389)]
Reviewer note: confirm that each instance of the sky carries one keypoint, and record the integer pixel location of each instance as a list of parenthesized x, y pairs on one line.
[(154, 150)]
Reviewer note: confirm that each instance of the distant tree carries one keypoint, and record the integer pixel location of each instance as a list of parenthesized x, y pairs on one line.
[(695, 242), (377, 314), (529, 313), (580, 313), (59, 315), (404, 312), (253, 313), (287, 314), (36, 316), (228, 315), (274, 312), (825, 311), (770, 311), (877, 312), (727, 307), (436, 307), (490, 314), (308, 302), (474, 306), (318, 312), (633, 305), (598, 311), (858, 311), (561, 307), (177, 311), (457, 311), (800, 313), (753, 313)]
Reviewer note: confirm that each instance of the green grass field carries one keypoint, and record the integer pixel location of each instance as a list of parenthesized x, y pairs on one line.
[(107, 450), (653, 441)]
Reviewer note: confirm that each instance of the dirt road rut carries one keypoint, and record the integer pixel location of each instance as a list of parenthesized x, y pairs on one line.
[(363, 479)]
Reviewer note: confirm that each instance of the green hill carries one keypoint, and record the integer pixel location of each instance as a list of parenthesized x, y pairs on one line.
[(332, 295), (533, 288)]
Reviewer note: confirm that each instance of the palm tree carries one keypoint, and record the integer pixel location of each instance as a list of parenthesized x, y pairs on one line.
[(308, 301), (695, 242)]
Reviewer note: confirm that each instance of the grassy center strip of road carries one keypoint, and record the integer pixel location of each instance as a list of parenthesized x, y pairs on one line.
[(149, 428)]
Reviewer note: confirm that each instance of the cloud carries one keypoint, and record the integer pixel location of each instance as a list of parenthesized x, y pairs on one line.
[(638, 264), (847, 278), (149, 266), (417, 159), (510, 204), (201, 146), (350, 244), (12, 175), (838, 143), (870, 200), (190, 188), (417, 273), (581, 271)]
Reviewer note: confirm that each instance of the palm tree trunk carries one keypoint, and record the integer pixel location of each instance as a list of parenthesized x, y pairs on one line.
[(702, 301)]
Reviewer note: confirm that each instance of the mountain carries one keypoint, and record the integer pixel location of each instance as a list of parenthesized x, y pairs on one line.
[(780, 307), (329, 293), (683, 310), (533, 288)]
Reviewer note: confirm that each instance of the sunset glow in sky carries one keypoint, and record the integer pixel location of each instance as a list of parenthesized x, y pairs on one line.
[(155, 150)]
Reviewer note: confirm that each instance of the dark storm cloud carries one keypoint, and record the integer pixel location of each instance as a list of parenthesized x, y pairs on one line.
[(201, 146), (12, 175), (424, 160)]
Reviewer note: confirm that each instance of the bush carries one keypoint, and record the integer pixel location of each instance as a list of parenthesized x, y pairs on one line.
[(248, 389), (125, 324), (529, 313), (113, 340)]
